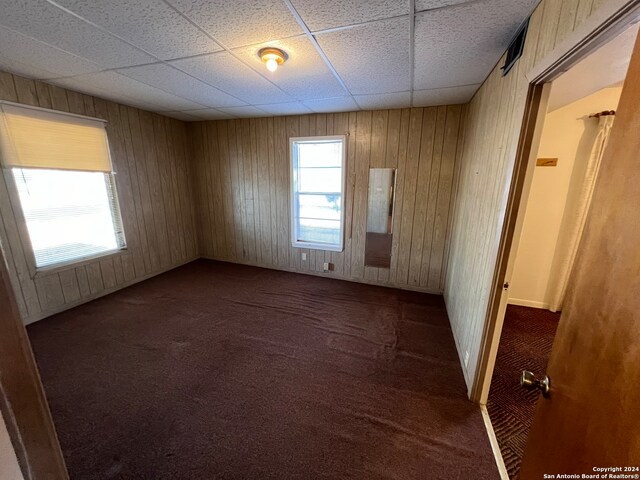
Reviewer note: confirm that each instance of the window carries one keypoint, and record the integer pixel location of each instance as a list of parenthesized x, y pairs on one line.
[(61, 167), (317, 192)]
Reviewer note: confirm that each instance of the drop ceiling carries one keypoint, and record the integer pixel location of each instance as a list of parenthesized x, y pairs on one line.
[(197, 59)]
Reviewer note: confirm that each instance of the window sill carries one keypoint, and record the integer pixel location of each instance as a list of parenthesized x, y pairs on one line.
[(318, 246), (78, 262)]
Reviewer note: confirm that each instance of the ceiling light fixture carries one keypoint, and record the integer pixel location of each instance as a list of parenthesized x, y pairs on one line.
[(272, 57)]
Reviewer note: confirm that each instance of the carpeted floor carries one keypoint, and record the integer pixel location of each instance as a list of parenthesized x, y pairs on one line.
[(221, 371), (525, 344)]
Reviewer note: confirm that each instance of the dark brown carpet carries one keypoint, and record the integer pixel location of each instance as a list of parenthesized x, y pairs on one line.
[(221, 371), (525, 344)]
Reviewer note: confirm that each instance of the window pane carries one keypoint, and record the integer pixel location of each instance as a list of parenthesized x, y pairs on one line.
[(319, 231), (325, 207), (321, 154), (320, 179), (69, 214), (318, 174)]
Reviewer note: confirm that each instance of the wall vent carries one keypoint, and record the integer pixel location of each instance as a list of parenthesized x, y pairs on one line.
[(514, 52)]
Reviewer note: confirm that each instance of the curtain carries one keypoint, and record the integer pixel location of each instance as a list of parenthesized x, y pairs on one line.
[(574, 221)]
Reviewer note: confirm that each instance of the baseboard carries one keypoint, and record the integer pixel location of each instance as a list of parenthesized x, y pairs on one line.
[(328, 275), (528, 303), (465, 372), (47, 313), (494, 443), (67, 306)]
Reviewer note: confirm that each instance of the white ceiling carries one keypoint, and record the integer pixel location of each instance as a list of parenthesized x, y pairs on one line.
[(605, 67), (197, 59)]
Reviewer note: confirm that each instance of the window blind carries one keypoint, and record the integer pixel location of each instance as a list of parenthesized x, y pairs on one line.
[(38, 138), (69, 215)]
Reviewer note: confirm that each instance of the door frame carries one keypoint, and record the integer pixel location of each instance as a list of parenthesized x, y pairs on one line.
[(23, 404), (611, 19)]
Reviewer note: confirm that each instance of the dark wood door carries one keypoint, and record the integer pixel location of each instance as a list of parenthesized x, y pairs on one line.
[(592, 417)]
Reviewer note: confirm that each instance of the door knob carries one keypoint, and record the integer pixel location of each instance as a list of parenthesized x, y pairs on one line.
[(529, 381)]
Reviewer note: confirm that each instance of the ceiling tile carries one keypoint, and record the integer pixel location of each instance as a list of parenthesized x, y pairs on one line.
[(91, 89), (336, 104), (372, 58), (226, 72), (337, 13), (151, 25), (248, 111), (116, 85), (422, 5), (292, 108), (45, 22), (384, 100), (47, 61), (178, 83), (457, 42), (185, 117), (444, 96), (461, 45), (209, 114), (10, 64), (305, 75), (241, 22)]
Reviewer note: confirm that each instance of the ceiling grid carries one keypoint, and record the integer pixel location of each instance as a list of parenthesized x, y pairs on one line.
[(197, 59)]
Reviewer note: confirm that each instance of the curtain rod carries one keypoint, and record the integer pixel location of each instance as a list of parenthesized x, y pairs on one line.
[(603, 114)]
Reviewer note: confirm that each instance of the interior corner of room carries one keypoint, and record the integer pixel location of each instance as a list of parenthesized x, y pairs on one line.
[(240, 244)]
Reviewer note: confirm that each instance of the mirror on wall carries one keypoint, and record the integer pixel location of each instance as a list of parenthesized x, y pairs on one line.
[(377, 252)]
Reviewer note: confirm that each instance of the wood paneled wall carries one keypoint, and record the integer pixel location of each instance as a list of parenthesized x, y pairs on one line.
[(242, 172), (493, 128), (153, 178)]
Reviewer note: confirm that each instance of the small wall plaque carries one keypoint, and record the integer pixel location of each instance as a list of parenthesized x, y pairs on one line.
[(547, 162)]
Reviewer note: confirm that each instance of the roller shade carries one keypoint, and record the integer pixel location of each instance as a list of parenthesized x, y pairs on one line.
[(38, 138)]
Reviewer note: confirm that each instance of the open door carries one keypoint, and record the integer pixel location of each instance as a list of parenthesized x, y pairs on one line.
[(591, 417)]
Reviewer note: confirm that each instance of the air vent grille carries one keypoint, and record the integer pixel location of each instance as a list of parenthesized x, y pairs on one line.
[(516, 48)]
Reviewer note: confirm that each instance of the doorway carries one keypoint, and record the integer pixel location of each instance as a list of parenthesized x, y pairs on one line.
[(577, 110)]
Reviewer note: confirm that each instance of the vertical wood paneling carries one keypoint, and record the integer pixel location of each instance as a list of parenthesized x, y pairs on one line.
[(26, 90), (25, 288), (405, 232), (339, 126), (490, 140), (359, 217), (255, 196), (249, 209), (138, 156), (423, 188), (156, 200), (399, 198), (166, 188), (432, 276), (246, 167), (379, 130), (142, 260), (350, 192), (432, 199), (281, 188)]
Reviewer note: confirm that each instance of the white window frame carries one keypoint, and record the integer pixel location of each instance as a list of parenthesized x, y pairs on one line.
[(30, 255), (23, 233), (292, 192)]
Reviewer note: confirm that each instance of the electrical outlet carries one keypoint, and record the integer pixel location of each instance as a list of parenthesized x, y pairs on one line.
[(466, 358), (326, 266), (304, 257)]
